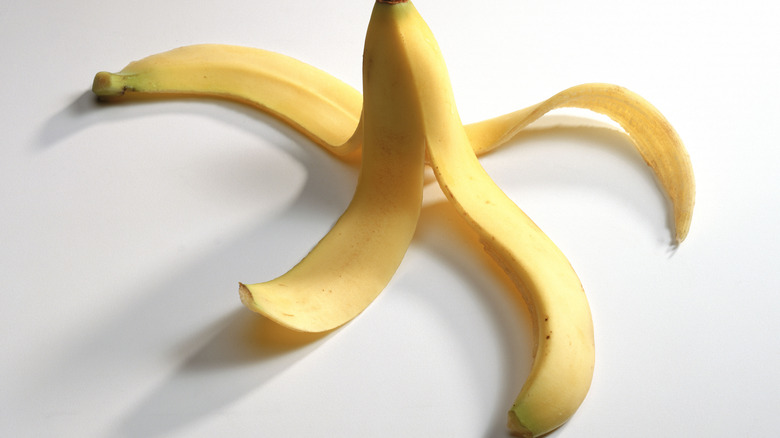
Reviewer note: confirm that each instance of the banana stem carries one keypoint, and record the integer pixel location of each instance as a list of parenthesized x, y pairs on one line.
[(108, 85)]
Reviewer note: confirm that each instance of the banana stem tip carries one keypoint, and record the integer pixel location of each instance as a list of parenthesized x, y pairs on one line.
[(108, 84)]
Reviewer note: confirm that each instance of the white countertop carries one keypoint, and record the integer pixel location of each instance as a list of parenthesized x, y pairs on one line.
[(125, 229)]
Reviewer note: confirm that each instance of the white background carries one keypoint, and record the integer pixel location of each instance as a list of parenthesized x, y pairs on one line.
[(125, 229)]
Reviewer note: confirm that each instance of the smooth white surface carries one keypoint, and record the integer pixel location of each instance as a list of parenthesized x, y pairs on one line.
[(125, 229)]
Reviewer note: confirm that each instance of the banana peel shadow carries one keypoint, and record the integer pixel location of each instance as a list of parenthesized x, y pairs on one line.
[(222, 349), (247, 351)]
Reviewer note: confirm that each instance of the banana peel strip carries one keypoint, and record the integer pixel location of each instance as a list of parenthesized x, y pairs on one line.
[(653, 136)]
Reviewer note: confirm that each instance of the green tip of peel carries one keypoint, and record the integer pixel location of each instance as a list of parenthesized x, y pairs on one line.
[(516, 427), (108, 84)]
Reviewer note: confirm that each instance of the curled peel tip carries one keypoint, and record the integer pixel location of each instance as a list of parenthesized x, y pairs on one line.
[(682, 226), (679, 236)]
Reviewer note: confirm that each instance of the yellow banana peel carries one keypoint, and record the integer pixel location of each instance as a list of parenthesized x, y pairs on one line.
[(406, 118)]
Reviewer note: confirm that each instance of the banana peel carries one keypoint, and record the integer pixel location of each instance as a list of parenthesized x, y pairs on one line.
[(406, 119)]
